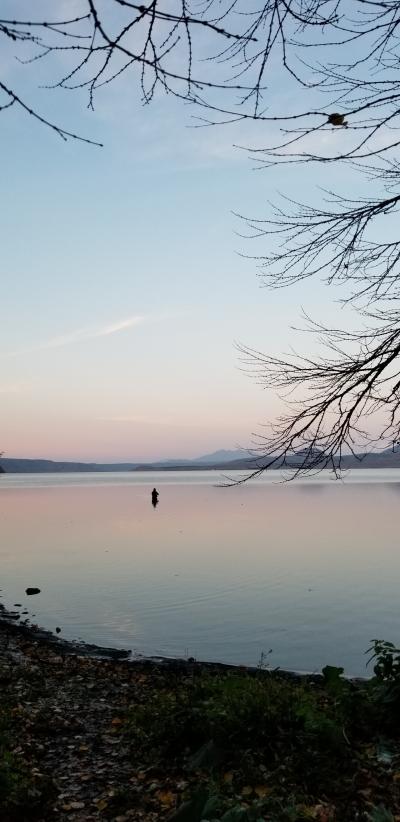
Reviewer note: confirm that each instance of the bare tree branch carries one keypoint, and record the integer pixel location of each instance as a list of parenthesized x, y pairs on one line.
[(357, 377)]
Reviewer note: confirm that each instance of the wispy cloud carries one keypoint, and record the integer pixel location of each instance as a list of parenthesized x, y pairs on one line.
[(119, 326), (91, 333), (81, 335)]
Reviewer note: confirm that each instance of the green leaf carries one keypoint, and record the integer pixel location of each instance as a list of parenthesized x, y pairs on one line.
[(333, 678), (384, 754), (381, 814), (208, 756), (212, 806)]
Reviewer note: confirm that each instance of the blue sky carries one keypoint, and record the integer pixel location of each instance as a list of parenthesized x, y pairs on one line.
[(123, 289)]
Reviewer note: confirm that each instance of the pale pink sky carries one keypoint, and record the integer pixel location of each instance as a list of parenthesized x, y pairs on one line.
[(122, 288)]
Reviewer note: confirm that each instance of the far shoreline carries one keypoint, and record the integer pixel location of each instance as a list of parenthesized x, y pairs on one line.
[(17, 466)]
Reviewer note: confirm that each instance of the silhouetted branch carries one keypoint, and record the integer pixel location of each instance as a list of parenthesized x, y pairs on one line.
[(333, 242), (165, 41), (62, 132), (357, 377)]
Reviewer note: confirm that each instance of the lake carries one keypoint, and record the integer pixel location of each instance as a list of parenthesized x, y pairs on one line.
[(301, 574)]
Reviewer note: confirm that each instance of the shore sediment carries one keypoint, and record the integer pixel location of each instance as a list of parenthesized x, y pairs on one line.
[(88, 735), (65, 709)]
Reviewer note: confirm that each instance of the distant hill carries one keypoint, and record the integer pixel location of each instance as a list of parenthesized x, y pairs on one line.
[(12, 465), (222, 460), (385, 459), (216, 458), (223, 456), (22, 466)]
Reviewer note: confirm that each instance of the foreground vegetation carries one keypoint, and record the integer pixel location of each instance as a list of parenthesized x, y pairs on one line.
[(264, 747), (85, 739)]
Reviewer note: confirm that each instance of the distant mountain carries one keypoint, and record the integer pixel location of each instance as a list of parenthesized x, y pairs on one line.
[(216, 458), (12, 465), (222, 456), (383, 459), (222, 460)]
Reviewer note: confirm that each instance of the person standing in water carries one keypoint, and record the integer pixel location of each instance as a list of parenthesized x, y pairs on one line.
[(154, 497)]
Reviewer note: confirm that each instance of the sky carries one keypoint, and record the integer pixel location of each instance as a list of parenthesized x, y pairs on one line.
[(124, 285)]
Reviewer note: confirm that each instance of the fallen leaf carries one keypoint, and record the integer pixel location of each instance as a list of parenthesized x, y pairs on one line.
[(262, 791), (166, 798), (308, 811)]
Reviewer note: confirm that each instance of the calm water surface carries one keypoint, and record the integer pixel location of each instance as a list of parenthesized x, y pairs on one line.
[(310, 570)]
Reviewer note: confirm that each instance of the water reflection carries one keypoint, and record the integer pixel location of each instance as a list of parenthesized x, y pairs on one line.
[(311, 489), (219, 573)]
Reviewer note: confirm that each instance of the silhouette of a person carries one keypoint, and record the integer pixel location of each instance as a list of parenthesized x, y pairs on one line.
[(154, 497)]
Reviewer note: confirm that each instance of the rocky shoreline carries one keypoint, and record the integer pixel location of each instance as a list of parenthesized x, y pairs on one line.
[(66, 709), (11, 623), (88, 734)]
